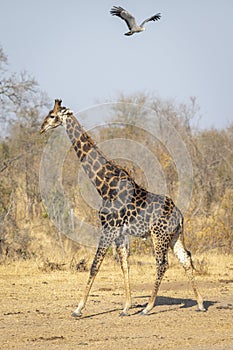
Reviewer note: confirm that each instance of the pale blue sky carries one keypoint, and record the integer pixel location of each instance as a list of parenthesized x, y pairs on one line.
[(77, 51)]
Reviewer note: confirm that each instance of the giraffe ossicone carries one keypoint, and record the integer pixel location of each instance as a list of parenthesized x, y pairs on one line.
[(127, 209)]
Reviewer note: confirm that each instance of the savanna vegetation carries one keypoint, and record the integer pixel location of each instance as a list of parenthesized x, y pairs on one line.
[(25, 228)]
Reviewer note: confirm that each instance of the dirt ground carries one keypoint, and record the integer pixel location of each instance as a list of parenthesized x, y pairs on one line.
[(36, 306)]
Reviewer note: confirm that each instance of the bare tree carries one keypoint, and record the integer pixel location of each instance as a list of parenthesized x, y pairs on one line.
[(22, 104)]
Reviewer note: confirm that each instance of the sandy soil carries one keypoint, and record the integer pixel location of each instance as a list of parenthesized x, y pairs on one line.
[(36, 307)]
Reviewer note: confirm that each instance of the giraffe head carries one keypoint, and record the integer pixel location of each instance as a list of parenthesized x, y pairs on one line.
[(57, 116)]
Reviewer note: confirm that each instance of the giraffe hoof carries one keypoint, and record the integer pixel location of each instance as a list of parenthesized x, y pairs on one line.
[(143, 313), (123, 313), (76, 315), (201, 309)]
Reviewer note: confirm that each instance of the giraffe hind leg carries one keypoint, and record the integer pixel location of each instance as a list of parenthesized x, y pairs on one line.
[(185, 259), (160, 250), (123, 253)]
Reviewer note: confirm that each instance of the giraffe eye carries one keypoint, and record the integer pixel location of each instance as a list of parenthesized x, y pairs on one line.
[(52, 116)]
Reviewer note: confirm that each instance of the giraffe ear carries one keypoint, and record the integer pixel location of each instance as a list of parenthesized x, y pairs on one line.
[(57, 105)]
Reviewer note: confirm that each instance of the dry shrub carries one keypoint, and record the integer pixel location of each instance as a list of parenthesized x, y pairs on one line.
[(201, 266), (49, 266), (80, 266)]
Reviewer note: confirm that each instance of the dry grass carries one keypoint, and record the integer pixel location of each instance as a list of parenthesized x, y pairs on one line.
[(37, 303), (207, 265)]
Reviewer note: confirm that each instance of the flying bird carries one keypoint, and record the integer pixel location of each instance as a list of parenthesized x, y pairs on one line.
[(131, 21)]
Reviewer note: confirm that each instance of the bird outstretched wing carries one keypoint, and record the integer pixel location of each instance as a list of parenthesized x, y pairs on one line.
[(153, 18), (125, 15)]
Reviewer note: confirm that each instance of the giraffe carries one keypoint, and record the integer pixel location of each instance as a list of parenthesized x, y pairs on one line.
[(127, 209)]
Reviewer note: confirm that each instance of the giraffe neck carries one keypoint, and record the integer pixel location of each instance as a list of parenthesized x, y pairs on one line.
[(107, 177)]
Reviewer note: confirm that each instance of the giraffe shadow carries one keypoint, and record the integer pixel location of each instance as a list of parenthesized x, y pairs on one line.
[(178, 303), (99, 313)]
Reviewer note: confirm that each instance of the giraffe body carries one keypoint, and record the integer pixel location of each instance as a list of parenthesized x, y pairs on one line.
[(127, 209)]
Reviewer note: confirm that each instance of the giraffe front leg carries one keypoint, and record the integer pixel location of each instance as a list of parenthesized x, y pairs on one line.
[(123, 255), (161, 267), (77, 312), (99, 256), (160, 249)]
